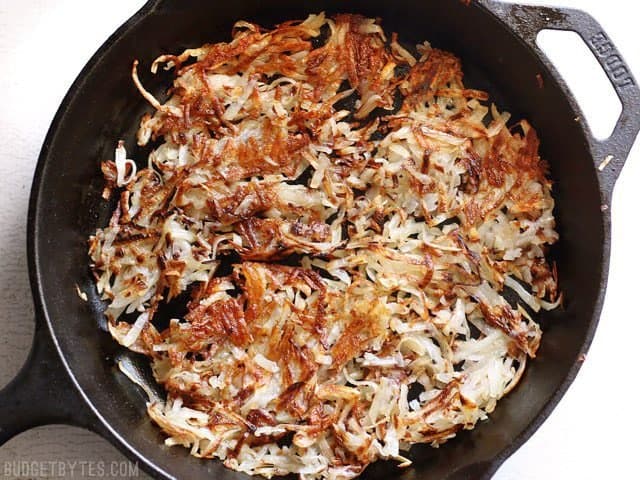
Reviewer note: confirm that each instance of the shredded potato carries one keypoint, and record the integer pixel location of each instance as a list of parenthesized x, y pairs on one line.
[(345, 267)]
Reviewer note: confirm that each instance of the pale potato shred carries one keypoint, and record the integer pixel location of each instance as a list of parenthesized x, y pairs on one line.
[(344, 219)]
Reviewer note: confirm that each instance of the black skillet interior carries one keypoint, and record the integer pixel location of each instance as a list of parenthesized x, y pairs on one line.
[(104, 107)]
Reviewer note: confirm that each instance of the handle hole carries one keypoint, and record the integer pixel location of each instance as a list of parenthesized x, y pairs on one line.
[(585, 77)]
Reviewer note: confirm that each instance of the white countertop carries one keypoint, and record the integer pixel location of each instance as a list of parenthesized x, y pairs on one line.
[(592, 434)]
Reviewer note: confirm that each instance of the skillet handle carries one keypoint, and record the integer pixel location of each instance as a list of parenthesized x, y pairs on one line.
[(528, 20), (42, 393)]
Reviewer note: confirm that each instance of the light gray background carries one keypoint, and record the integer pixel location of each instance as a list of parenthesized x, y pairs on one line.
[(43, 45)]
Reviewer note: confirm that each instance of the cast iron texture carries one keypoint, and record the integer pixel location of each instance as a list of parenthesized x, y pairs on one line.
[(73, 364)]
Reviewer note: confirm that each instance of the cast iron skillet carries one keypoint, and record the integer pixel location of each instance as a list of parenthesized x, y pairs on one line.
[(71, 375)]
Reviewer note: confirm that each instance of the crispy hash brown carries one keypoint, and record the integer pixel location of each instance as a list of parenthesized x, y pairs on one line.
[(344, 218)]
